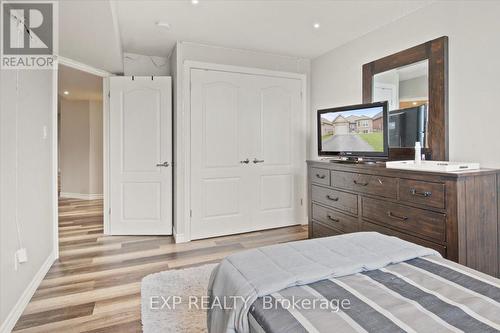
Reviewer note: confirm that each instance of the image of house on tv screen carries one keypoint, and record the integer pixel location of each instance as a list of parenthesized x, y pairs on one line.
[(354, 130)]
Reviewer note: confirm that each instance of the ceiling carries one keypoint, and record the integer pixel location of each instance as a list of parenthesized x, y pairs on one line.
[(97, 32), (80, 85), (87, 34), (419, 69), (413, 71)]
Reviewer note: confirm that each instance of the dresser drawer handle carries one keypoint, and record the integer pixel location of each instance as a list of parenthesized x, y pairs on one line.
[(320, 176), (332, 198), (401, 218), (360, 184), (425, 194), (331, 218)]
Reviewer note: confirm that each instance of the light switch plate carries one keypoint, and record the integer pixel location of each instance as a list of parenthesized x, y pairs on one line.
[(22, 255)]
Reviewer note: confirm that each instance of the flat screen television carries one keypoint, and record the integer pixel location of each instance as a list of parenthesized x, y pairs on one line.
[(355, 130)]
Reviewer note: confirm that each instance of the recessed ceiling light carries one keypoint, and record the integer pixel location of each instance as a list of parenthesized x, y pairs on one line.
[(414, 103), (163, 25), (66, 92), (316, 25), (195, 2)]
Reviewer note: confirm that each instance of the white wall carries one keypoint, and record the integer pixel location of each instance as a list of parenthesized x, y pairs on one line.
[(474, 71), (34, 187), (144, 65), (81, 144), (220, 55)]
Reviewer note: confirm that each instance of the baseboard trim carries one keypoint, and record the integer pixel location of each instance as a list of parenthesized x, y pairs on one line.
[(81, 196), (179, 238), (23, 301)]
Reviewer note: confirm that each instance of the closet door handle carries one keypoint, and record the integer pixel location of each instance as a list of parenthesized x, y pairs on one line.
[(255, 161), (164, 164), (425, 194), (329, 197), (401, 218), (245, 161)]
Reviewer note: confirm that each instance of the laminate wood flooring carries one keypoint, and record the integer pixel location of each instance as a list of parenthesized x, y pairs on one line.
[(95, 284)]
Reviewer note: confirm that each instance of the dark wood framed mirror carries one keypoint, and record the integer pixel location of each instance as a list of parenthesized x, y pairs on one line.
[(421, 85)]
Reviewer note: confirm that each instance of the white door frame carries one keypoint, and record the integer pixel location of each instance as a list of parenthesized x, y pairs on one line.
[(55, 149), (185, 136)]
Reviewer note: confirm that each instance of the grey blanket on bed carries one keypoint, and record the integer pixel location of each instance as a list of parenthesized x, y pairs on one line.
[(243, 277)]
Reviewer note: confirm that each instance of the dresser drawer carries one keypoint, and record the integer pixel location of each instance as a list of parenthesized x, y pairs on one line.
[(425, 193), (341, 200), (374, 227), (371, 184), (337, 220), (321, 230), (320, 176), (413, 220)]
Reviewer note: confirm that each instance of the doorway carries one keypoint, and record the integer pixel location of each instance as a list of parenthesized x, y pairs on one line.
[(80, 145)]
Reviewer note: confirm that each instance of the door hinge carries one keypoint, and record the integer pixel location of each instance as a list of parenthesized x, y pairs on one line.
[(190, 213), (109, 94), (301, 202), (109, 211)]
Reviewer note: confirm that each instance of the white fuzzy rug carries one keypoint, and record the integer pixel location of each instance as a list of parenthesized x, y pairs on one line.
[(160, 291)]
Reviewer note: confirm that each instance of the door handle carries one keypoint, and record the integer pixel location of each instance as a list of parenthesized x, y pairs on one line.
[(164, 164), (255, 161), (245, 161)]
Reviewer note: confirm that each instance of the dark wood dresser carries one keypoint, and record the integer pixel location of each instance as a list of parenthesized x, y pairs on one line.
[(454, 213)]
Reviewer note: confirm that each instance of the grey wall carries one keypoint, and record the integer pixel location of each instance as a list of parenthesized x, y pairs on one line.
[(414, 88), (34, 181), (474, 73), (95, 147), (80, 155)]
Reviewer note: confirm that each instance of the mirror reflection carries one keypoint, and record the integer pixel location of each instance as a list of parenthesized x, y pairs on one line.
[(407, 91)]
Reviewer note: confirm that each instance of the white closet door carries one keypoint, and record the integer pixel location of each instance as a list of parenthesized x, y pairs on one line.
[(219, 139), (278, 163), (140, 156), (235, 117)]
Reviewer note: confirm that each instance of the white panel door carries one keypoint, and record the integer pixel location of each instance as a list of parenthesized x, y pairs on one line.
[(219, 140), (386, 92), (247, 152), (278, 164), (140, 156)]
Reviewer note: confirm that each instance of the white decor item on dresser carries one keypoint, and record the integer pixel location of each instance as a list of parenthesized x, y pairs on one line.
[(432, 166)]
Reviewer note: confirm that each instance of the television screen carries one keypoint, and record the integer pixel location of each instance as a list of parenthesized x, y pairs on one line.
[(358, 130)]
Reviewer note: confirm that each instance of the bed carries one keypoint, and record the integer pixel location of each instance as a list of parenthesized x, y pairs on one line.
[(361, 282)]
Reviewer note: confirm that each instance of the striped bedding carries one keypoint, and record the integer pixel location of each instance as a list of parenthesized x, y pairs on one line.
[(425, 294)]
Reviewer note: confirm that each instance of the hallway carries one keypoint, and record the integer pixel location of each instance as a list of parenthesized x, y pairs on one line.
[(95, 284)]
